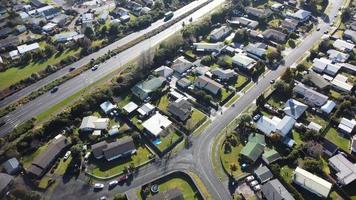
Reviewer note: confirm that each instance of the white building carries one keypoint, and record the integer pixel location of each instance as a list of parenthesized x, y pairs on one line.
[(340, 83), (342, 45), (130, 107), (347, 125), (156, 124), (28, 48)]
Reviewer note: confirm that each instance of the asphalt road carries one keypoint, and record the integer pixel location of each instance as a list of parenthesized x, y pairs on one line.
[(64, 71), (70, 87), (198, 158)]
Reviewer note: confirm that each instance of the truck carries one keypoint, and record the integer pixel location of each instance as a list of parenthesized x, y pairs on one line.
[(168, 15)]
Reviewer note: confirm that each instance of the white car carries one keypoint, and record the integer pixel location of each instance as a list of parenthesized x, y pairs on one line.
[(98, 186), (66, 156), (250, 178), (253, 183), (103, 198), (113, 183), (95, 67), (257, 188)]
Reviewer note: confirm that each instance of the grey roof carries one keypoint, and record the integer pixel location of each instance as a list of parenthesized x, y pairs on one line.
[(277, 36), (289, 24), (294, 108), (181, 109), (316, 79), (255, 50), (113, 149), (164, 71), (224, 74), (263, 174), (337, 56), (181, 65), (258, 12), (274, 190), (184, 82), (220, 33), (5, 180), (11, 165), (285, 125), (311, 97), (346, 171), (206, 83)]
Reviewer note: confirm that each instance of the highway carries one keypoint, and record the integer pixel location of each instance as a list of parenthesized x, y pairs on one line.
[(130, 38), (198, 158), (70, 87)]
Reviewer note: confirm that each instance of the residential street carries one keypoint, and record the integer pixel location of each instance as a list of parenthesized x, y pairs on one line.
[(198, 157), (70, 87)]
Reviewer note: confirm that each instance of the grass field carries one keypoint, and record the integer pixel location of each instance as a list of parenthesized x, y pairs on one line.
[(334, 137), (241, 80), (62, 166), (163, 103), (107, 169), (168, 140), (232, 100), (16, 74), (231, 158), (197, 118)]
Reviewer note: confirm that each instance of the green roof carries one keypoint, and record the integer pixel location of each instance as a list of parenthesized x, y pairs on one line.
[(257, 138), (252, 150), (270, 156)]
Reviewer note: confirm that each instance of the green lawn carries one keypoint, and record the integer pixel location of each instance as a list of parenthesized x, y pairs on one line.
[(62, 166), (231, 158), (168, 140), (163, 103), (248, 86), (335, 94), (315, 118), (202, 127), (232, 100), (137, 122), (16, 74), (276, 101), (287, 173), (241, 80), (224, 94), (195, 120), (334, 137), (103, 168), (125, 99), (296, 138)]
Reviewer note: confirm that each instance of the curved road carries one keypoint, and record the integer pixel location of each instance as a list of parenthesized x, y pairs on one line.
[(197, 158), (70, 87)]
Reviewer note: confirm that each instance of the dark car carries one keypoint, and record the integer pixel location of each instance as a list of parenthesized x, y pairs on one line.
[(122, 178), (71, 69), (55, 89)]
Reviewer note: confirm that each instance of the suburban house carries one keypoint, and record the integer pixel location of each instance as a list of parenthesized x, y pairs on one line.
[(284, 126), (224, 74), (263, 174), (43, 162), (143, 89), (258, 13), (340, 83), (184, 83), (350, 35), (310, 96), (67, 36), (11, 166), (87, 21), (329, 148), (174, 194), (277, 7), (113, 150), (114, 130), (274, 35), (254, 147), (27, 48), (181, 65), (337, 56), (311, 182), (294, 108), (274, 190), (314, 126), (208, 47), (317, 80), (156, 124), (242, 21), (146, 110), (275, 125), (91, 123), (353, 144), (220, 33), (243, 61), (180, 109), (130, 107), (6, 182), (345, 169), (208, 84), (202, 70), (257, 51), (270, 156), (344, 46), (163, 71), (301, 15), (347, 126), (290, 24), (107, 107), (324, 65)]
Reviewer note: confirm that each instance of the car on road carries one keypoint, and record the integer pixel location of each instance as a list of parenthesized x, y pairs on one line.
[(98, 186), (66, 156), (318, 29), (326, 32), (250, 178), (113, 183), (253, 183), (103, 198), (95, 67), (122, 178), (71, 69), (272, 81), (55, 89), (257, 188)]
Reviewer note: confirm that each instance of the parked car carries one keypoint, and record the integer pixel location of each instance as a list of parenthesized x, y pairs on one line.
[(250, 178), (272, 81), (253, 183), (113, 183), (66, 156), (95, 67), (98, 186), (256, 117), (257, 188)]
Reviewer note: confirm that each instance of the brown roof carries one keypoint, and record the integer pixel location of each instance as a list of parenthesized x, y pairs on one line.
[(171, 194), (42, 162)]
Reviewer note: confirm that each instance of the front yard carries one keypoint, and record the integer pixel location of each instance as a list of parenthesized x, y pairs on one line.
[(197, 118), (229, 160)]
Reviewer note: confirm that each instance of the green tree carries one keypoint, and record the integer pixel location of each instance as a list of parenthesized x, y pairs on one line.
[(301, 67), (88, 32), (241, 36), (49, 50)]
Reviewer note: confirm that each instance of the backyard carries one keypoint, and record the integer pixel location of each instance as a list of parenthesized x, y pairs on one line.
[(167, 140), (333, 136)]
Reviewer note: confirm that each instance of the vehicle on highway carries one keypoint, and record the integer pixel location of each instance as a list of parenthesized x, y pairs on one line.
[(253, 183), (55, 89), (168, 15), (257, 188), (71, 69), (95, 67), (272, 81), (113, 183), (66, 156), (122, 178), (250, 178), (98, 186)]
